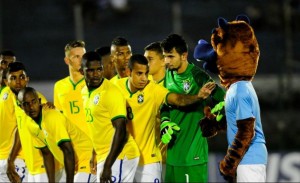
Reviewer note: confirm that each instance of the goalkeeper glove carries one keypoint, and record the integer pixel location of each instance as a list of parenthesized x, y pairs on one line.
[(167, 129)]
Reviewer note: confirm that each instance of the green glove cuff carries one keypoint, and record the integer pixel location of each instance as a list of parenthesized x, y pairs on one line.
[(218, 109)]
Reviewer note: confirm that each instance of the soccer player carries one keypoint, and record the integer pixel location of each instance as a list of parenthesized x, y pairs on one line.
[(109, 70), (144, 99), (54, 133), (120, 51), (187, 153), (117, 153), (16, 79), (67, 91), (6, 57), (153, 53)]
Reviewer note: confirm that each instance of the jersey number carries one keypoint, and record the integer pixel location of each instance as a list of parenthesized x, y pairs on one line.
[(73, 107), (88, 115)]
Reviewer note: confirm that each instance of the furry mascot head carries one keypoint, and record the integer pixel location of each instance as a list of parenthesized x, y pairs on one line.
[(233, 53)]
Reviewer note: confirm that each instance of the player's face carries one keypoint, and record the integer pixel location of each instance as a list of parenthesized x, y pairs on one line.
[(17, 80), (5, 60), (173, 59), (109, 68), (138, 77), (74, 58), (155, 61), (120, 55), (31, 105), (93, 73)]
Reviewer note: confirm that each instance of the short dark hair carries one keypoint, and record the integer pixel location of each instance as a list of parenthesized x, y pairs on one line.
[(119, 41), (174, 41), (26, 90), (7, 53), (102, 51), (90, 56), (74, 44), (155, 46), (15, 66), (137, 58)]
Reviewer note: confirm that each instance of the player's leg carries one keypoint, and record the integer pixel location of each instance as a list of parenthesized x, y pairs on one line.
[(195, 173), (42, 177), (21, 169), (148, 173), (251, 173), (60, 175), (84, 177), (122, 170)]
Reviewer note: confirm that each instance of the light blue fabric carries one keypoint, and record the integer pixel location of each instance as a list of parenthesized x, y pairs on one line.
[(241, 103)]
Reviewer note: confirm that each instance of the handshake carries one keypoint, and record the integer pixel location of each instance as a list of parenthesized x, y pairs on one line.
[(167, 129)]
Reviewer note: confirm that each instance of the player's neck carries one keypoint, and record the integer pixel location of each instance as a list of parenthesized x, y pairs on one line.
[(123, 73), (160, 75), (183, 67), (75, 76)]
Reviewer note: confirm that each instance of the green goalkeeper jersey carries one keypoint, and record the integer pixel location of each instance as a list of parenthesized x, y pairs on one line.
[(188, 147)]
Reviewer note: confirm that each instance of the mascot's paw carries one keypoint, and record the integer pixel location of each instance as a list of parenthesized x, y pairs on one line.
[(208, 127), (227, 171), (208, 124)]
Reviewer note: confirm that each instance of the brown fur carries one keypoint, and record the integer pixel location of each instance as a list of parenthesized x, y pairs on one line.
[(237, 51), (237, 150), (209, 126)]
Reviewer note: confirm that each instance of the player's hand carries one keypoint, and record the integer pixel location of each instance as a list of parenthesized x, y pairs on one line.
[(11, 172), (206, 90), (106, 175), (48, 105), (167, 129)]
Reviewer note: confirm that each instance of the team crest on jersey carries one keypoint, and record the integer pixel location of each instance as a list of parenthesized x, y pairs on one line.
[(140, 98), (5, 96), (96, 99), (186, 86)]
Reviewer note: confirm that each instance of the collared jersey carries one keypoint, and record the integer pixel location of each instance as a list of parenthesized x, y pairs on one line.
[(144, 105), (68, 99), (33, 157), (8, 123), (189, 147), (103, 105), (54, 129)]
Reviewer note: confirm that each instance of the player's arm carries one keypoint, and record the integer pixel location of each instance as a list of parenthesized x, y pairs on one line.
[(118, 142), (69, 159), (11, 171), (49, 163), (183, 100)]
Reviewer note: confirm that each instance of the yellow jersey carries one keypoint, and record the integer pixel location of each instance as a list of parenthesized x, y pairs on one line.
[(145, 105), (33, 157), (102, 106), (54, 128), (8, 123), (68, 100)]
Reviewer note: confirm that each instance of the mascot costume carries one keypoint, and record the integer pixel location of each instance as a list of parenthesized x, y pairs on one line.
[(233, 54)]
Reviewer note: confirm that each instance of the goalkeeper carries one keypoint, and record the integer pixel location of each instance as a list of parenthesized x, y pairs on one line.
[(187, 152)]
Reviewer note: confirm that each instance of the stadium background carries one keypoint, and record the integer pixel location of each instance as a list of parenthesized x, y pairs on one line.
[(38, 30)]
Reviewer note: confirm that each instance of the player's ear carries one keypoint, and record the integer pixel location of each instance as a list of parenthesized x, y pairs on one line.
[(184, 56), (66, 59), (5, 81)]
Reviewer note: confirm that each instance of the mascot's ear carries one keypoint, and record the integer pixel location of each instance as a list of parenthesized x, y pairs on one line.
[(222, 23), (205, 52), (243, 18)]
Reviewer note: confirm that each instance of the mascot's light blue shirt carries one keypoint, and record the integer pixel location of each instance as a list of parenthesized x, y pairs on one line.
[(241, 103)]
